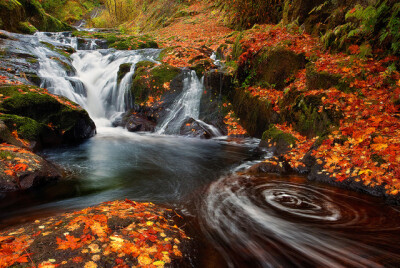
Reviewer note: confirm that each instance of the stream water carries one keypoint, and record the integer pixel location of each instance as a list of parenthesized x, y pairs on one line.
[(238, 221)]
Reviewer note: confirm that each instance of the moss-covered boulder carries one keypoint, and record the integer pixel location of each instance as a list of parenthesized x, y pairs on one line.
[(11, 14), (270, 68), (255, 114), (308, 115), (40, 19), (320, 80), (123, 70), (279, 141), (43, 118), (21, 169), (25, 16), (150, 78)]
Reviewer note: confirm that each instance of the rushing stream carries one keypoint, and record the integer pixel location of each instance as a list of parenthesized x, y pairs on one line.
[(239, 221)]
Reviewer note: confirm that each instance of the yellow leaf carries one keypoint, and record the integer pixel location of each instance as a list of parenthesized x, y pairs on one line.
[(159, 263), (144, 259), (90, 264)]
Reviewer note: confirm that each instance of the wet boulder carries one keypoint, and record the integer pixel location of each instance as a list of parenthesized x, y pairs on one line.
[(42, 118), (123, 70), (135, 123), (21, 169), (195, 128)]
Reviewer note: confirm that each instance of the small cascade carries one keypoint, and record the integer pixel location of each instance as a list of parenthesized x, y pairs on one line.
[(185, 107)]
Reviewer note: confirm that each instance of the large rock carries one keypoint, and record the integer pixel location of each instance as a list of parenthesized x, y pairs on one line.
[(20, 169), (277, 140), (42, 118), (135, 123), (25, 16), (195, 128), (271, 68)]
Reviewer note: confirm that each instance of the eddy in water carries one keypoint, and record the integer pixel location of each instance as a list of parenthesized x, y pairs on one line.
[(287, 222)]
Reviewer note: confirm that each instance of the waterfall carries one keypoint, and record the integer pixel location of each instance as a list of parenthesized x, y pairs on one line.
[(186, 106), (88, 77)]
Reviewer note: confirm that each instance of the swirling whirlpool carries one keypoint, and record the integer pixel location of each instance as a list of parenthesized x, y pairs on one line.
[(278, 222)]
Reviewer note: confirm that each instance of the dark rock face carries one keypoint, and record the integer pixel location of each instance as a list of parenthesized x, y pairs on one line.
[(278, 65), (218, 82), (32, 172), (135, 123), (194, 128)]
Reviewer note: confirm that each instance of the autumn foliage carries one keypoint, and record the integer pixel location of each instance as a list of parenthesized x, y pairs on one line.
[(364, 146), (112, 234)]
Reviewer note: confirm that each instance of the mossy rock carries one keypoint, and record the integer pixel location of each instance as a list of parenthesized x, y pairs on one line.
[(123, 70), (280, 141), (11, 14), (271, 68), (165, 52), (325, 80), (320, 80), (27, 128), (40, 19), (308, 115), (119, 41), (26, 28), (39, 115), (65, 51), (150, 77), (255, 114)]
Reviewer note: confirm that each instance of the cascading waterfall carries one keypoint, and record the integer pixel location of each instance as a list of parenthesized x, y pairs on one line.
[(92, 77), (89, 78), (186, 106)]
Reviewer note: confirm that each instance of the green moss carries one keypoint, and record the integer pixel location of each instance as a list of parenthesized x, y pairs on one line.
[(201, 67), (123, 70), (27, 128), (26, 28), (165, 52), (278, 136), (33, 105), (307, 116), (150, 78), (121, 42), (65, 52), (255, 114), (6, 155), (32, 60)]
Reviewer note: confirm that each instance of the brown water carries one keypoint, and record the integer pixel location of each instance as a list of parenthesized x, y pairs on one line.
[(288, 222)]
